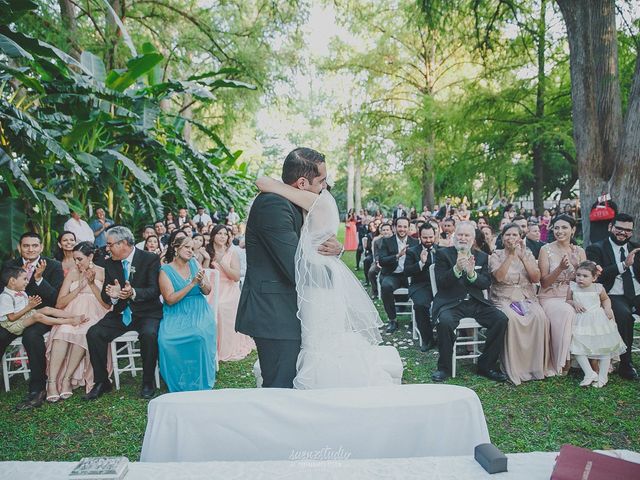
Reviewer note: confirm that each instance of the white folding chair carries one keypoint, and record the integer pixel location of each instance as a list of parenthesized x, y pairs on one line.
[(461, 340), (127, 351), (15, 361)]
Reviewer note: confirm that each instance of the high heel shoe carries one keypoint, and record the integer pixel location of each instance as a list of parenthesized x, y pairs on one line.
[(589, 379), (66, 395), (52, 398)]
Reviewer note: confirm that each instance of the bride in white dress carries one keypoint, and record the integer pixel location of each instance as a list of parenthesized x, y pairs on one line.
[(339, 323)]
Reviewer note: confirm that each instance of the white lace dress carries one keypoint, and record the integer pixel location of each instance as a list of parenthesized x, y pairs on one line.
[(340, 324)]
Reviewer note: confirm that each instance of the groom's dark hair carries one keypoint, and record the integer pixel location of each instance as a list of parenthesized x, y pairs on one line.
[(301, 162)]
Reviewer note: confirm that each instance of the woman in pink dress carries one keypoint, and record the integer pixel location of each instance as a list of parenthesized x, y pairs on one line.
[(545, 220), (351, 232), (558, 261), (67, 351), (231, 344)]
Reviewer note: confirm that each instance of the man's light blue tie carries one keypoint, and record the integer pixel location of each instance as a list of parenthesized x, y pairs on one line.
[(126, 313)]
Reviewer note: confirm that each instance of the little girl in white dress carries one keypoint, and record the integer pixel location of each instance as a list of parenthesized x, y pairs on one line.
[(595, 334)]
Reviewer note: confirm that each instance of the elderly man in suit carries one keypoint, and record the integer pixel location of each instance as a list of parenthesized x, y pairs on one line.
[(131, 286), (620, 262), (462, 274), (392, 257), (416, 267), (45, 279)]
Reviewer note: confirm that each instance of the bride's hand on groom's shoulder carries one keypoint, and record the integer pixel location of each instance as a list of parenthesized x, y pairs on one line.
[(331, 247)]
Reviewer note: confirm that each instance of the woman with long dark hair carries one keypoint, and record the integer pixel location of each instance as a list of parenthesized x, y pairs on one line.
[(224, 258), (64, 250), (68, 363)]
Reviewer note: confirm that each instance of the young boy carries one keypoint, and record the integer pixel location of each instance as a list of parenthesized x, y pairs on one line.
[(17, 309)]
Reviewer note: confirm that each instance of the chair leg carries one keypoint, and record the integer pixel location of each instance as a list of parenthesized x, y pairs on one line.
[(132, 362), (116, 367), (453, 360), (157, 376), (5, 372)]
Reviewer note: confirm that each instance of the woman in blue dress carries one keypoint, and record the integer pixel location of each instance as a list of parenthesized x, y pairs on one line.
[(187, 334)]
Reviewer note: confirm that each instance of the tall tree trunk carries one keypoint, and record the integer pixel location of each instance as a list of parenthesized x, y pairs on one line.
[(350, 176), (538, 144), (595, 92), (113, 33), (428, 174), (358, 184), (187, 112), (68, 16)]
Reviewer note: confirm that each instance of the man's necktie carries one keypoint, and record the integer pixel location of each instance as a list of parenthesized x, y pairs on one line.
[(627, 280), (30, 270), (126, 313)]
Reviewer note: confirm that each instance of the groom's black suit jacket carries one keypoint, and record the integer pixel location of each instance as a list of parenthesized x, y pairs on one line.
[(268, 303), (143, 277)]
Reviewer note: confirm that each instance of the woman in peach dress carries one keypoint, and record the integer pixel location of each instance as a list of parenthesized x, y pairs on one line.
[(224, 258), (558, 261), (67, 351), (350, 232)]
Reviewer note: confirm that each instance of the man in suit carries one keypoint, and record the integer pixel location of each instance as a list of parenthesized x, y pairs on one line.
[(392, 257), (400, 211), (386, 231), (416, 267), (268, 303), (533, 242), (620, 262), (445, 210), (45, 279), (462, 274), (131, 286)]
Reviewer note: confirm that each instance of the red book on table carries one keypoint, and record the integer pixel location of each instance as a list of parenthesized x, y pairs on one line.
[(575, 463)]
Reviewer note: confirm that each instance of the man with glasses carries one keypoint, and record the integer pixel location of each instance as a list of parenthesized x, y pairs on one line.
[(620, 276)]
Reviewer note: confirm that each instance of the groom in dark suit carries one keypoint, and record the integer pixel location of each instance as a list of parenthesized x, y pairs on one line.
[(45, 279), (131, 286), (462, 274), (268, 303), (620, 277)]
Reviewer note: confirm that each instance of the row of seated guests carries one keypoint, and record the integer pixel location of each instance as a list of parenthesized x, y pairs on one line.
[(98, 303), (534, 334)]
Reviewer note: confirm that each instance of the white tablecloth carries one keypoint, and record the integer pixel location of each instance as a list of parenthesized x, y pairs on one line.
[(522, 466), (281, 424)]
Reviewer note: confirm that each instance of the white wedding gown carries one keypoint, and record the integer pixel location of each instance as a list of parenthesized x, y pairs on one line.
[(340, 324)]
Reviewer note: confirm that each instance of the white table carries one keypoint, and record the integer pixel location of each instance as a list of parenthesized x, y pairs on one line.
[(281, 424), (522, 466)]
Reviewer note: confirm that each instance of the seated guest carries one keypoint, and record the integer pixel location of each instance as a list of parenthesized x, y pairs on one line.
[(489, 239), (131, 286), (526, 354), (479, 243), (200, 251), (69, 365), (392, 256), (64, 253), (619, 259), (461, 275), (169, 220), (45, 279), (201, 217), (187, 229), (383, 231), (447, 227), (161, 233), (169, 253), (367, 244), (80, 228), (147, 231), (419, 259), (533, 239), (152, 244), (224, 258), (187, 334), (99, 226), (558, 261), (183, 218)]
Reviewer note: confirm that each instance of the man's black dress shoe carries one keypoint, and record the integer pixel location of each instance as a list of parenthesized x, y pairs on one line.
[(34, 400), (98, 390), (425, 347), (147, 392), (494, 375), (393, 326), (439, 376), (628, 373)]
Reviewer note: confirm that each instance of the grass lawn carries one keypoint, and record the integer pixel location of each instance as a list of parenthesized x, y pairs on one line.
[(536, 416)]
